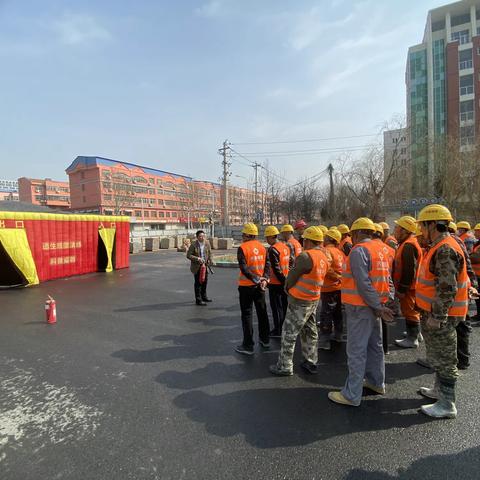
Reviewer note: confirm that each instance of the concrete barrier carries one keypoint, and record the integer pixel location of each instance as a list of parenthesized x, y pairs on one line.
[(167, 242), (225, 243), (213, 243), (136, 247), (152, 244)]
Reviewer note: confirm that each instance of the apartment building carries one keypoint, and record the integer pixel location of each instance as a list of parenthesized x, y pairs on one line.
[(45, 192)]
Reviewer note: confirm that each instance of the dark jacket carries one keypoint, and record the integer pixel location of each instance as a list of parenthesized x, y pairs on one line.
[(194, 255)]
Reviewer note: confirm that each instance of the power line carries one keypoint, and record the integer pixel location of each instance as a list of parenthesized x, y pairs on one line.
[(311, 140), (311, 151)]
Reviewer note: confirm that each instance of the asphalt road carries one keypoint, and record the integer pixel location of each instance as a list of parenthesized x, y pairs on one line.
[(137, 382)]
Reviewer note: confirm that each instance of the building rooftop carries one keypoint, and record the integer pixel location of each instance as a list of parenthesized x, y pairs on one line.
[(108, 162), (16, 206)]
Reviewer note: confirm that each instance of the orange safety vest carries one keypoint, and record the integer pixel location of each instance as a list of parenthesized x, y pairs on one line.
[(425, 292), (397, 271), (476, 266), (391, 241), (379, 276), (345, 240), (309, 284), (464, 236), (297, 247), (284, 251), (338, 258), (255, 255), (387, 250)]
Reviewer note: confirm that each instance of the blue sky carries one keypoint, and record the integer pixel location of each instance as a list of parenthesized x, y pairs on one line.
[(163, 83)]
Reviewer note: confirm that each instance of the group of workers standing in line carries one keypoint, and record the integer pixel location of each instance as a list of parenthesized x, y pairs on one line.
[(362, 272)]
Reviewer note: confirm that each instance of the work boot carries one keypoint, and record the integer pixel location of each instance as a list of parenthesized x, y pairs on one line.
[(432, 393), (411, 340), (309, 367), (338, 337), (444, 407)]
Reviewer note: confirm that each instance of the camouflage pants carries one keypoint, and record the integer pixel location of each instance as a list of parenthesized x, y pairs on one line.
[(300, 319), (441, 346)]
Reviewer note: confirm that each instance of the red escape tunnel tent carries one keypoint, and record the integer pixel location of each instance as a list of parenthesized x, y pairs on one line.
[(35, 247)]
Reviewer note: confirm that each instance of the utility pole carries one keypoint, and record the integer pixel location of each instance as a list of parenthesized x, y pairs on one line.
[(225, 164), (255, 166), (331, 196)]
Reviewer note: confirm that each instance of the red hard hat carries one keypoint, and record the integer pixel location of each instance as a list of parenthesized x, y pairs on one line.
[(300, 224)]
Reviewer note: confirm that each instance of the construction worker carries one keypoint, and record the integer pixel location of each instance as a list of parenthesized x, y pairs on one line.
[(389, 254), (279, 256), (407, 260), (365, 292), (464, 328), (390, 240), (346, 243), (324, 229), (300, 227), (288, 237), (331, 319), (475, 258), (463, 232), (252, 283), (303, 285), (442, 295)]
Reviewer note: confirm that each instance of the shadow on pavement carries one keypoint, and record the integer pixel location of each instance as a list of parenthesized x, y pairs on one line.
[(156, 306), (216, 321), (465, 465), (286, 417), (216, 342)]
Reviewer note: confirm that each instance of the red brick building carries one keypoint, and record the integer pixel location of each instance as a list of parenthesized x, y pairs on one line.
[(46, 192), (151, 196)]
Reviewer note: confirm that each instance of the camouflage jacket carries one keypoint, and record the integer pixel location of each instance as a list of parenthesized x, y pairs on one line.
[(445, 264)]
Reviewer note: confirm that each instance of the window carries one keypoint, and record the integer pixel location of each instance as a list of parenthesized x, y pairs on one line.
[(82, 175), (138, 213), (174, 214), (146, 213), (466, 84), (154, 214), (465, 59), (460, 20), (83, 187), (161, 214), (466, 111), (467, 135), (167, 214), (462, 37)]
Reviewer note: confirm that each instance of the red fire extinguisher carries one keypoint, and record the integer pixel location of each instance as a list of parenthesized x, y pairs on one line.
[(51, 310), (203, 273)]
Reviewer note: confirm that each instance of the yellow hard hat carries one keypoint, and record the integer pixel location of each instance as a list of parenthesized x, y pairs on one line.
[(250, 229), (384, 225), (378, 228), (408, 223), (323, 228), (335, 234), (453, 226), (271, 231), (287, 228), (363, 223), (342, 228), (435, 212), (477, 226), (464, 224), (313, 233)]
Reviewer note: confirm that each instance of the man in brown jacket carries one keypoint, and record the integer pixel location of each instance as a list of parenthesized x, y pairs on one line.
[(199, 254)]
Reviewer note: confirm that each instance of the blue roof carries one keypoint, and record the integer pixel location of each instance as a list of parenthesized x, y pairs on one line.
[(94, 161)]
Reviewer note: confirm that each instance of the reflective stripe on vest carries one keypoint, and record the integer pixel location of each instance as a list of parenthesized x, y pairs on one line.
[(379, 275), (425, 291), (387, 250), (309, 284), (284, 254), (398, 265), (338, 258), (255, 254)]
